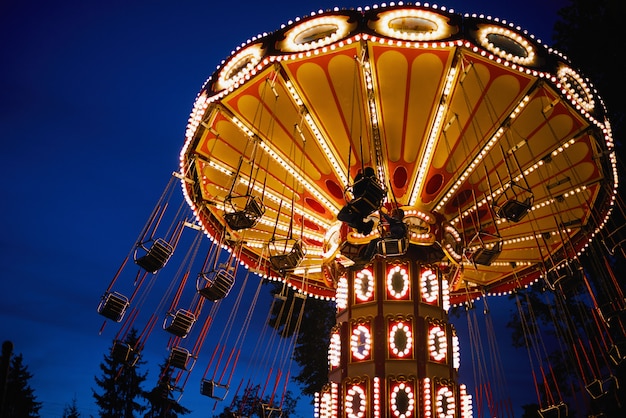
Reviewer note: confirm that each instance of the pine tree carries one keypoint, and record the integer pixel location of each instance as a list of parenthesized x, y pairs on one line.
[(121, 381), (311, 350), (251, 405), (71, 411), (20, 400), (161, 402)]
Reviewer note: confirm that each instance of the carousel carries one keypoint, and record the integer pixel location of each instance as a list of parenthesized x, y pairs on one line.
[(398, 160)]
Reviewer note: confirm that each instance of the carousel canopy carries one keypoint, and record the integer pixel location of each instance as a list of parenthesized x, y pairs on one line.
[(495, 146)]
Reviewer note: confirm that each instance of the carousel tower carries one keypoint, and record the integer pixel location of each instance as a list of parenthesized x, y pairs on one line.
[(393, 351)]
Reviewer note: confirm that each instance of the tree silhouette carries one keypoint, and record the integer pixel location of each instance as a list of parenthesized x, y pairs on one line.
[(19, 399), (311, 350), (71, 411), (251, 405), (121, 381), (161, 401)]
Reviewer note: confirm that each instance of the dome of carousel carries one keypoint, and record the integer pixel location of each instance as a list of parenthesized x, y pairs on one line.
[(495, 147)]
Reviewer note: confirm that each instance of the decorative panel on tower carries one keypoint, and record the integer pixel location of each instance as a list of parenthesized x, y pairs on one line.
[(437, 341), (364, 286), (429, 285), (400, 336), (341, 295), (402, 396), (361, 341), (334, 349), (356, 398), (398, 282)]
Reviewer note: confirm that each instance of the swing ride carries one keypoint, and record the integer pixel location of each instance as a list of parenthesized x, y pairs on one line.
[(494, 150)]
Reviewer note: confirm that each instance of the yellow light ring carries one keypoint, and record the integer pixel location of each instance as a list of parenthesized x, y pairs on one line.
[(361, 342), (330, 273), (445, 403), (240, 66), (429, 286), (406, 408), (506, 44), (364, 285), (360, 239), (332, 241), (391, 274), (576, 87), (316, 33), (451, 242), (422, 239), (354, 392), (334, 351), (415, 25), (420, 224), (437, 343), (403, 328)]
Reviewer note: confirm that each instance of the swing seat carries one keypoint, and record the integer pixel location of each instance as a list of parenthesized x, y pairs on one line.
[(216, 288), (391, 247), (248, 217), (271, 411), (615, 239), (554, 411), (369, 202), (124, 353), (595, 389), (513, 210), (290, 260), (617, 352), (370, 189), (561, 272), (354, 253), (180, 324), (113, 306), (155, 257), (213, 389), (179, 357), (485, 256)]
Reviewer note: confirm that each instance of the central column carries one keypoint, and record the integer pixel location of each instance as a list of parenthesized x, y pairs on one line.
[(392, 351)]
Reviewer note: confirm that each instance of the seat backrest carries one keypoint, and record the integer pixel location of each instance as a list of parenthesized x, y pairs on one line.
[(113, 306)]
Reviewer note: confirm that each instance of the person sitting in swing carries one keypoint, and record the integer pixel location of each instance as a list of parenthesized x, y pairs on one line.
[(368, 196), (396, 229)]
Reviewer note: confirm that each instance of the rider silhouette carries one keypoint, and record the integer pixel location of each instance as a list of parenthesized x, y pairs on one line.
[(367, 198), (396, 229)]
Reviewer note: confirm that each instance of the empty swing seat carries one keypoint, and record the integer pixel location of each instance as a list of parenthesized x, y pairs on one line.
[(554, 411), (179, 357), (485, 256), (617, 352), (290, 260), (270, 411), (213, 389), (392, 246), (216, 288), (181, 323), (595, 389), (113, 306), (124, 353), (355, 253), (156, 256), (513, 210), (248, 217)]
